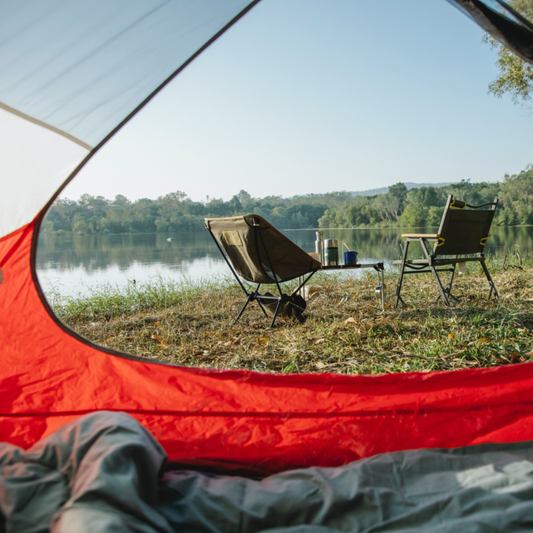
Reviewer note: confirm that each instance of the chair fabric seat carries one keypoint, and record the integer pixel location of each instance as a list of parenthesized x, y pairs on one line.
[(259, 253)]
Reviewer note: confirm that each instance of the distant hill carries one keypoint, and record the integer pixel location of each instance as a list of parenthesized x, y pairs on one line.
[(409, 185)]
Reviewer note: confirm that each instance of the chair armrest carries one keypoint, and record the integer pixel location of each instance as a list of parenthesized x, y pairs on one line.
[(421, 235)]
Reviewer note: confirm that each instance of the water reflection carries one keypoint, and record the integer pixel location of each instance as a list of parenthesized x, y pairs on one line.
[(100, 251), (72, 263)]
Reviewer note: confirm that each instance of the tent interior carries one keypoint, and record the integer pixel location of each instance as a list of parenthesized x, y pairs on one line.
[(163, 447)]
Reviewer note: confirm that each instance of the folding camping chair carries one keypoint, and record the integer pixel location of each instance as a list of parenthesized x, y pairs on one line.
[(259, 253), (462, 237)]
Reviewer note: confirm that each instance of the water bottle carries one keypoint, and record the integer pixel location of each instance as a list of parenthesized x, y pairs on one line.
[(319, 246)]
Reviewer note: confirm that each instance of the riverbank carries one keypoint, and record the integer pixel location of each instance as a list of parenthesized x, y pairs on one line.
[(191, 324), (200, 228)]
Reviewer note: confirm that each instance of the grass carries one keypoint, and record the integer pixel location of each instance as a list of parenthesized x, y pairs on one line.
[(191, 323)]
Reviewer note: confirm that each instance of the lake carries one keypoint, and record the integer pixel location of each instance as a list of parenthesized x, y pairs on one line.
[(71, 264)]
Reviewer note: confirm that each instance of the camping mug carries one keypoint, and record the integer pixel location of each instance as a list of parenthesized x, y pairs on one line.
[(350, 258)]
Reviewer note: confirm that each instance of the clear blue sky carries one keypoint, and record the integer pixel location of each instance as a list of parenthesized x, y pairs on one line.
[(311, 96)]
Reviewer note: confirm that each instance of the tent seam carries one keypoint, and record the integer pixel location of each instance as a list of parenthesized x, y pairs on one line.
[(38, 122)]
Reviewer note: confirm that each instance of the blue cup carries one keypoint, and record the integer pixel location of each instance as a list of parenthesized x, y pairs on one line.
[(350, 258)]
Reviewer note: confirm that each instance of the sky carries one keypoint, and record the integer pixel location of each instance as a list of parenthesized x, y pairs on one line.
[(315, 96)]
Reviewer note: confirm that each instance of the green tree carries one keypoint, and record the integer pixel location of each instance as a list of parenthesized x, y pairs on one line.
[(425, 197), (62, 214), (142, 215), (517, 197), (414, 216), (398, 191), (434, 216), (391, 205), (245, 199), (170, 211), (515, 75), (328, 219), (117, 217), (48, 227), (388, 206), (80, 227)]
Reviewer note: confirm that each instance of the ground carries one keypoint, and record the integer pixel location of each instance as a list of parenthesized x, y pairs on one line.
[(345, 332)]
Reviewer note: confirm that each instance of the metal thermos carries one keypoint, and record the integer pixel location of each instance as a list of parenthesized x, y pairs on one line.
[(319, 245), (331, 252)]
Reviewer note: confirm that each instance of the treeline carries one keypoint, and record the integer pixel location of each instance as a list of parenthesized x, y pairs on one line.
[(424, 206), (176, 212)]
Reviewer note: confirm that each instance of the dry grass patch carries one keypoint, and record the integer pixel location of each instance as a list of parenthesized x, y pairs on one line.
[(346, 330)]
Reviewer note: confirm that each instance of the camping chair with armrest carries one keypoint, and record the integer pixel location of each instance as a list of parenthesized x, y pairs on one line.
[(260, 254), (462, 236)]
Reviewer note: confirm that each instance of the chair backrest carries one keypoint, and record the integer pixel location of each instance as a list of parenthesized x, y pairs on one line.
[(464, 229), (258, 251)]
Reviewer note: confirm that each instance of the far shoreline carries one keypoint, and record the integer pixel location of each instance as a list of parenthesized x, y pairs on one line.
[(70, 234)]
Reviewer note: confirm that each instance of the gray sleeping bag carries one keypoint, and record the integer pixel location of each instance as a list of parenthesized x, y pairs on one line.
[(105, 473)]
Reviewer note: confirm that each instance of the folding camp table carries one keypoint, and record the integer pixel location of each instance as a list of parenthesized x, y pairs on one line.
[(378, 267)]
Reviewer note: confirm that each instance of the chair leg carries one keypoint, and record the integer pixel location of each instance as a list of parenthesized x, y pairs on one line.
[(251, 297), (258, 300), (275, 314), (398, 298), (302, 283), (381, 283), (442, 291), (491, 283), (262, 308), (448, 288), (248, 300)]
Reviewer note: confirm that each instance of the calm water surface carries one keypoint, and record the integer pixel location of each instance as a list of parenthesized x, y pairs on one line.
[(72, 264)]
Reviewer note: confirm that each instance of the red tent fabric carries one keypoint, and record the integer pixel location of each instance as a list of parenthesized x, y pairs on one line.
[(234, 421), (238, 420)]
